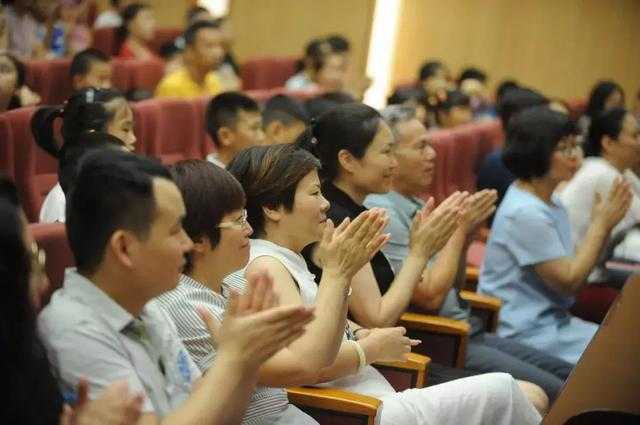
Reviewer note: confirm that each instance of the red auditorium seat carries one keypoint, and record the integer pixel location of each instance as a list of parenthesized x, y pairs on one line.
[(146, 115), (104, 39), (168, 129), (267, 72), (6, 147), (35, 171), (460, 151), (145, 74), (206, 144), (492, 135), (50, 79), (463, 160), (442, 140), (121, 75), (52, 238)]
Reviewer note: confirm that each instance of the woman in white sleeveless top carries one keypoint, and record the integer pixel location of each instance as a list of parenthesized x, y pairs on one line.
[(287, 212)]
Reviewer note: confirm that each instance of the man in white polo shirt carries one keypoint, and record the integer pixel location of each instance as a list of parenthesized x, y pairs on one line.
[(124, 223)]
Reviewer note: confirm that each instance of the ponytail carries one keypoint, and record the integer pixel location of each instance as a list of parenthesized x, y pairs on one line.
[(42, 128), (82, 112)]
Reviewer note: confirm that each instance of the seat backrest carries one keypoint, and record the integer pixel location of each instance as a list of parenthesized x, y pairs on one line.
[(121, 74), (52, 238), (442, 141), (492, 135), (104, 39), (50, 79), (460, 152), (145, 74), (463, 160), (174, 135), (35, 171), (206, 144), (146, 115), (267, 72), (7, 159)]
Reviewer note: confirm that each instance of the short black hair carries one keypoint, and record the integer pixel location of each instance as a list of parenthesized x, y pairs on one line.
[(599, 95), (472, 73), (532, 136), (71, 154), (285, 109), (113, 190), (270, 176), (504, 87), (606, 123), (326, 102), (82, 61), (223, 109), (209, 193), (192, 30), (339, 43), (405, 94), (429, 69), (517, 100)]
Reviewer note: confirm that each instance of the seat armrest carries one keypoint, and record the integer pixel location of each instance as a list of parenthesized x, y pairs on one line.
[(410, 373), (472, 276), (444, 340), (484, 306), (334, 402)]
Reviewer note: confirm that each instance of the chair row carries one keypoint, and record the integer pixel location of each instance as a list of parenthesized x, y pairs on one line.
[(106, 40), (444, 340), (167, 129), (50, 77), (51, 80)]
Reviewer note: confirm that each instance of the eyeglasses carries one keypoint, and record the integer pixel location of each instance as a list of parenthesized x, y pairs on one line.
[(38, 259), (238, 224)]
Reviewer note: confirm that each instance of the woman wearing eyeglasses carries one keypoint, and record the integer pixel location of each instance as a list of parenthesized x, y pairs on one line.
[(613, 150), (531, 262)]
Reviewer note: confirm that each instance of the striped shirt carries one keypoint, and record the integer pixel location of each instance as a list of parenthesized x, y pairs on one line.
[(267, 405)]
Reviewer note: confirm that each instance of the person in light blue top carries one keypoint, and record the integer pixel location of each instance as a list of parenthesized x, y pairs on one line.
[(530, 261)]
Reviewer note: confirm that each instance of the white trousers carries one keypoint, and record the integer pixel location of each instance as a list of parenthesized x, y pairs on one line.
[(491, 399)]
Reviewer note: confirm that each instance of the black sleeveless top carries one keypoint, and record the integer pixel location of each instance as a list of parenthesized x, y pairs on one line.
[(342, 206)]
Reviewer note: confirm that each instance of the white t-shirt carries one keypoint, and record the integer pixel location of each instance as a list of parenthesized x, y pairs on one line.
[(596, 176), (54, 206)]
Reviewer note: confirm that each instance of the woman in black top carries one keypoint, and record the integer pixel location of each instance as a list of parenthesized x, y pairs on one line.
[(355, 147)]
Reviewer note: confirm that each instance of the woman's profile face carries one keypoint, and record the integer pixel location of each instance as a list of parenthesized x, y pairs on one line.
[(121, 125), (374, 172), (143, 26), (308, 216)]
